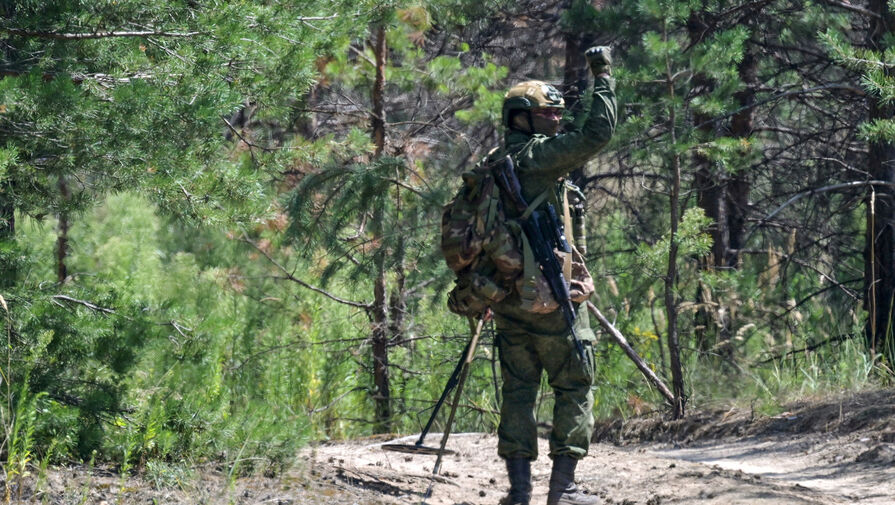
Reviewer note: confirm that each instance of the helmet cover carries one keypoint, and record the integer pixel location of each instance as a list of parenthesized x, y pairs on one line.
[(529, 95)]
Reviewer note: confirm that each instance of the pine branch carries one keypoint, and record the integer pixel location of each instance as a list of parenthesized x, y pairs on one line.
[(815, 191), (94, 35), (289, 276), (95, 308), (853, 8), (844, 87)]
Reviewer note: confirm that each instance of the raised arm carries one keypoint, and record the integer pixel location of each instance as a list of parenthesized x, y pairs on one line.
[(549, 158)]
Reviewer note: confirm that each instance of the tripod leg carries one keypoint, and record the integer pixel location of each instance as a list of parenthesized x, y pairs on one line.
[(452, 381), (464, 372)]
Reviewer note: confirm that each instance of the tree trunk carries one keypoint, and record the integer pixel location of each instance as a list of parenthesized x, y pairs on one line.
[(382, 395), (7, 205), (576, 74), (671, 305), (724, 199), (62, 238), (398, 299), (378, 119), (738, 186), (879, 273), (711, 327)]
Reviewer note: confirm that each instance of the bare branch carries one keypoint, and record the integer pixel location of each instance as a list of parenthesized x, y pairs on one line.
[(815, 191), (843, 87), (336, 400), (853, 8), (289, 276), (316, 18), (816, 345), (95, 308), (94, 35)]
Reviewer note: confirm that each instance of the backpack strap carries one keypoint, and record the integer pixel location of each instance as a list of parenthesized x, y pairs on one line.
[(492, 207)]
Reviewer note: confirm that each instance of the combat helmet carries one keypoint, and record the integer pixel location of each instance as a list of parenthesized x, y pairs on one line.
[(529, 95)]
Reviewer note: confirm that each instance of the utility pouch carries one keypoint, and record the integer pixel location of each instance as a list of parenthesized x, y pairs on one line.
[(534, 291), (473, 293), (502, 248)]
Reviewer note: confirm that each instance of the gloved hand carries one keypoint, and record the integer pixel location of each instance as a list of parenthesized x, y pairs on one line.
[(600, 60)]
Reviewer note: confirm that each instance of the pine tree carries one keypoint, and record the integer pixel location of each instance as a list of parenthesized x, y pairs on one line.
[(98, 98), (374, 209)]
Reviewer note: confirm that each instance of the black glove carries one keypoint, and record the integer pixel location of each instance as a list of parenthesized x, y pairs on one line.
[(600, 60)]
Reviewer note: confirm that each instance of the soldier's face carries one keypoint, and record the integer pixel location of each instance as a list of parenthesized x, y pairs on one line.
[(546, 120)]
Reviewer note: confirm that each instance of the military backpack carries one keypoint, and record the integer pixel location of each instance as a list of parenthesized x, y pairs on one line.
[(489, 253)]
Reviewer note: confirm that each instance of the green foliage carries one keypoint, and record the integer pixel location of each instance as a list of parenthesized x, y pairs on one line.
[(691, 238), (878, 130)]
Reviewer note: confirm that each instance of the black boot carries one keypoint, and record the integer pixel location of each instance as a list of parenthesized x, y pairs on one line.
[(519, 472), (563, 490)]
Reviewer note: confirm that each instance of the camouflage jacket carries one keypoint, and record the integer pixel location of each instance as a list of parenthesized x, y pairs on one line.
[(541, 162)]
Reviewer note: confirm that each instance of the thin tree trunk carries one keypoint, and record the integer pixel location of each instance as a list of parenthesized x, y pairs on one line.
[(378, 119), (380, 338), (711, 327), (575, 79), (398, 301), (739, 186), (382, 395), (62, 238), (671, 306), (880, 249), (724, 199), (7, 205)]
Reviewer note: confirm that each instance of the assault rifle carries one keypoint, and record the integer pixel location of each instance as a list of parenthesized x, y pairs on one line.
[(544, 233)]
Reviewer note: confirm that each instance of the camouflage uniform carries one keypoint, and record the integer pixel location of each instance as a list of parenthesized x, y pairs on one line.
[(531, 343)]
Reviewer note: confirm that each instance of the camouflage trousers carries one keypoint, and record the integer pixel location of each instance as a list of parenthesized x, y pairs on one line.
[(523, 358)]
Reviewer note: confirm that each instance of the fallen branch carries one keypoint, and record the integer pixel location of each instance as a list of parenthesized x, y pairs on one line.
[(623, 343)]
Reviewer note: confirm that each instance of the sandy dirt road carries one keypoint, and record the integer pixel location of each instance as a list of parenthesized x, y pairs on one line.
[(833, 451), (753, 471)]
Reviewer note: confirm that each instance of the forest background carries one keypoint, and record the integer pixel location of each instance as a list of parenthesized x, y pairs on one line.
[(219, 220)]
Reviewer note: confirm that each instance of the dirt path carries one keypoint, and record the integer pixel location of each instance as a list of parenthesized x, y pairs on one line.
[(834, 452), (754, 471)]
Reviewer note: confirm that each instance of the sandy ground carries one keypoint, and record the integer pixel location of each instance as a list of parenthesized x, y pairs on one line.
[(823, 452), (780, 470)]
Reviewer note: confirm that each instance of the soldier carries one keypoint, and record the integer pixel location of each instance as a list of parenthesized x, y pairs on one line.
[(530, 343)]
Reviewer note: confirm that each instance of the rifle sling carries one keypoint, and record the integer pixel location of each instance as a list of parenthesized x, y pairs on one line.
[(535, 204)]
